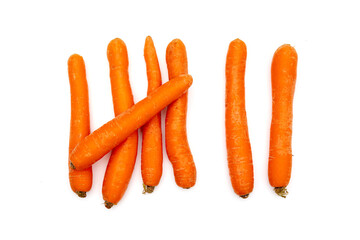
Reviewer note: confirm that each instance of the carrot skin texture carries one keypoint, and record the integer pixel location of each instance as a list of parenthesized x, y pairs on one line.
[(80, 180), (112, 133), (177, 146), (283, 80), (122, 160), (151, 154), (239, 154)]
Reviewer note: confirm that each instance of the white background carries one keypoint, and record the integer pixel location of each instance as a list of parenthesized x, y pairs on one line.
[(38, 37)]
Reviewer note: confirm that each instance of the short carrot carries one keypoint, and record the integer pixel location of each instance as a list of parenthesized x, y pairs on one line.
[(237, 137), (283, 79), (151, 154), (80, 180), (122, 160), (177, 146), (112, 133)]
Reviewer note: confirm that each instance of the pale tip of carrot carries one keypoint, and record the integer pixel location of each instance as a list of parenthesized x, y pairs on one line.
[(148, 189), (81, 194), (245, 196), (72, 166), (108, 205), (281, 191)]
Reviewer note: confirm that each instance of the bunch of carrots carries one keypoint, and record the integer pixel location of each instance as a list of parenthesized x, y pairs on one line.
[(120, 135)]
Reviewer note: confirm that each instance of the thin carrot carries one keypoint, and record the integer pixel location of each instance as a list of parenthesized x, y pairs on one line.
[(283, 79), (237, 136), (177, 146), (122, 160), (151, 154), (112, 133), (80, 180)]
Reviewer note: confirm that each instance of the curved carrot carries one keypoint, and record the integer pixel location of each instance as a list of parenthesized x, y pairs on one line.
[(122, 160), (101, 141), (151, 154), (237, 136), (80, 180), (177, 146), (283, 79)]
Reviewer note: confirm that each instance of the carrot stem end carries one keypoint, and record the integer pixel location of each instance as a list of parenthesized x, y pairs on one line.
[(81, 194), (281, 191), (108, 205), (148, 189)]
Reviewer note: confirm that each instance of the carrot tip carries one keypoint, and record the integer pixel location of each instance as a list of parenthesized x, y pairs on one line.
[(81, 194), (281, 191), (148, 189), (244, 196), (108, 205), (72, 166)]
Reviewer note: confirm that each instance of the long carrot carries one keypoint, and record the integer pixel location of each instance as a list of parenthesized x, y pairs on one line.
[(122, 160), (80, 180), (283, 79), (177, 146), (151, 154), (112, 133), (237, 136)]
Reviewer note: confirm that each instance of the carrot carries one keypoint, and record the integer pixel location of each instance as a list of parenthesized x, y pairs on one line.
[(112, 133), (177, 146), (237, 136), (151, 154), (80, 180), (283, 79), (122, 160)]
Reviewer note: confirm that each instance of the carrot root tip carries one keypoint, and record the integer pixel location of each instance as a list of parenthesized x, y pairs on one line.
[(244, 196), (81, 194), (108, 205), (148, 189), (72, 165), (281, 191)]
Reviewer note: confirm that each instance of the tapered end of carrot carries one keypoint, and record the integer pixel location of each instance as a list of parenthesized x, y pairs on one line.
[(148, 189), (244, 196), (72, 166), (281, 191), (81, 194), (108, 205)]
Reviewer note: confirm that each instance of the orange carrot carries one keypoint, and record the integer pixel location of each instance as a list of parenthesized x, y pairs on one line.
[(237, 136), (80, 180), (283, 79), (151, 154), (122, 160), (177, 146), (112, 133)]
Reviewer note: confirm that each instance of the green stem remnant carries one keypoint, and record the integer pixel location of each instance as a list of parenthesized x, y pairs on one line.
[(81, 194), (281, 191), (108, 205), (148, 189), (244, 196)]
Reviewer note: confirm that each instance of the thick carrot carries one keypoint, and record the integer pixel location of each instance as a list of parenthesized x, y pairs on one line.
[(112, 133), (237, 137), (80, 180), (151, 154), (122, 160), (177, 146), (283, 79)]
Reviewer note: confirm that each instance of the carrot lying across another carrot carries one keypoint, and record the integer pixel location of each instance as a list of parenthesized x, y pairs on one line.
[(80, 180), (283, 79), (237, 137), (177, 146), (151, 154), (122, 160), (112, 133)]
